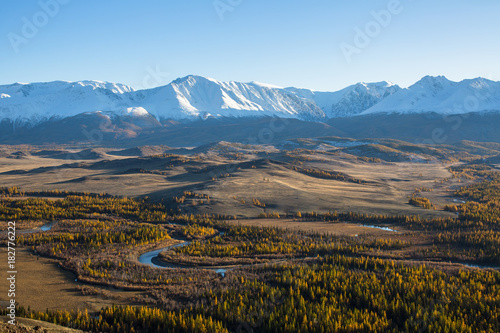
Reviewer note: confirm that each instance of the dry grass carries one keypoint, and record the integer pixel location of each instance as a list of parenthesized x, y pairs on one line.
[(25, 325), (339, 229), (287, 191), (41, 285), (281, 189)]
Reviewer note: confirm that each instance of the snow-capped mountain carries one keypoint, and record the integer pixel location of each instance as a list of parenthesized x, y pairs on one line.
[(440, 95), (37, 102), (196, 97), (349, 101), (188, 98)]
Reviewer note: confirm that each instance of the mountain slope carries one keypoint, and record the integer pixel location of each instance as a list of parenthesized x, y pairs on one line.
[(63, 111), (349, 101), (38, 102), (188, 98), (199, 97), (440, 95)]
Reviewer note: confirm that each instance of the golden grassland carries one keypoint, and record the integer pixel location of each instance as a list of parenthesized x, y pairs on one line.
[(42, 284), (89, 260), (279, 188)]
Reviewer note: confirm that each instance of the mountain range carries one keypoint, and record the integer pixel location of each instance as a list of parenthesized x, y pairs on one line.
[(25, 106)]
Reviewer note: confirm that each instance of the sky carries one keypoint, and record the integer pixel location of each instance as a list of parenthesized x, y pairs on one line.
[(317, 44)]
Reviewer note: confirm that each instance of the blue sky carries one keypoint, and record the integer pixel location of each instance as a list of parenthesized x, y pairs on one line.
[(286, 43)]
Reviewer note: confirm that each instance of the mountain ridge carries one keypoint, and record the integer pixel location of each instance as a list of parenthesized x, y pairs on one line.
[(196, 97), (440, 95)]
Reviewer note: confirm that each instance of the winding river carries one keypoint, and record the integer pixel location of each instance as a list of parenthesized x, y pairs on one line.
[(151, 259), (378, 227), (479, 266), (45, 227)]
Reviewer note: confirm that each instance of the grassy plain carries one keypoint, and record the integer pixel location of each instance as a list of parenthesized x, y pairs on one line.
[(241, 182)]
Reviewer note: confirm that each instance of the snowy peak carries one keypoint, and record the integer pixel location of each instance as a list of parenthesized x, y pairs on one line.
[(429, 80), (361, 97), (115, 88), (349, 101), (193, 79), (434, 84), (37, 102), (44, 88), (196, 97), (381, 84), (379, 90), (481, 84), (440, 95)]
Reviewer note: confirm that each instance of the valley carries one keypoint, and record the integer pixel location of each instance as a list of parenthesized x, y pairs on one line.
[(235, 166), (234, 176), (183, 231)]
